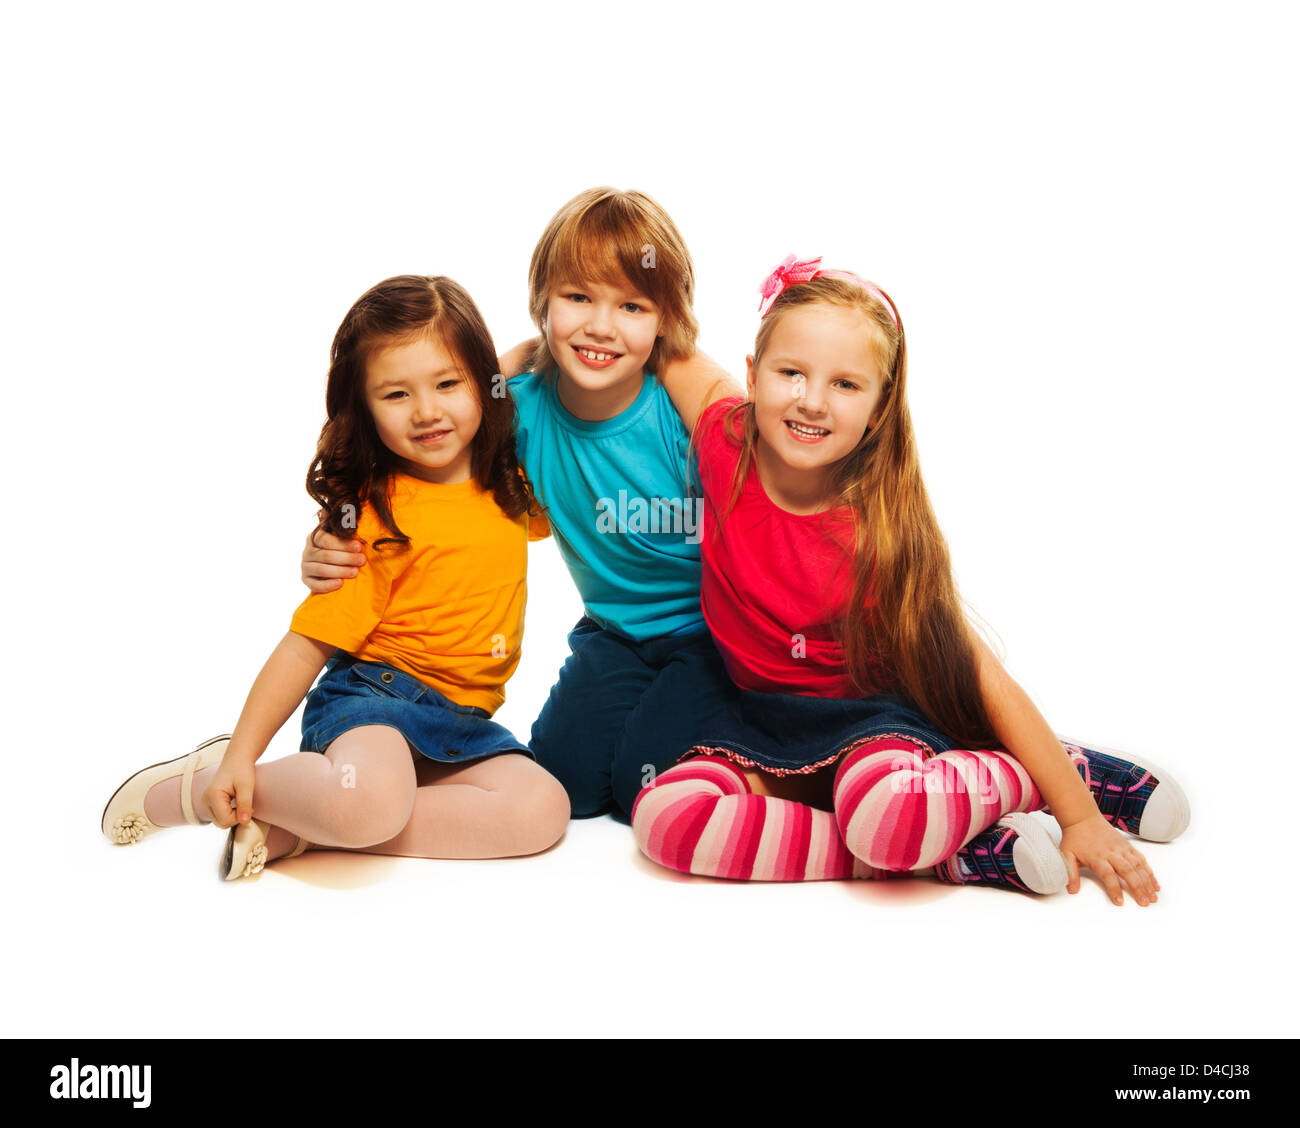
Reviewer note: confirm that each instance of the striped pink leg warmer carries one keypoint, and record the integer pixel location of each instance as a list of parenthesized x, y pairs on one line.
[(899, 811), (700, 817)]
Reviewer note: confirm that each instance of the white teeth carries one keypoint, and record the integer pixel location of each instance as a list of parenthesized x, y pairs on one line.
[(811, 432), (590, 355)]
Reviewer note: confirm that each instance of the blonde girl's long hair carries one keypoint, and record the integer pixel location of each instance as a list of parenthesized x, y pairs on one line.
[(913, 638)]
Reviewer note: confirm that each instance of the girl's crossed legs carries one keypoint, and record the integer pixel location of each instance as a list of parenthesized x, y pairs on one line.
[(886, 809), (370, 792)]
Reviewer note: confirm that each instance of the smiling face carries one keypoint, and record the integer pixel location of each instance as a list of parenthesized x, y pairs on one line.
[(425, 408), (600, 334), (816, 389)]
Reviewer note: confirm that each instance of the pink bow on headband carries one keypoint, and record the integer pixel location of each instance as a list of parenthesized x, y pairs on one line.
[(791, 272), (783, 277)]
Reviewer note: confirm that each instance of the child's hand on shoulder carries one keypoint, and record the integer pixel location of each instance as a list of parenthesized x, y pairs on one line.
[(229, 795), (1098, 846), (328, 560)]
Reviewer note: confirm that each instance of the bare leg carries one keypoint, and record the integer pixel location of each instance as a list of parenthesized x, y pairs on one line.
[(360, 792)]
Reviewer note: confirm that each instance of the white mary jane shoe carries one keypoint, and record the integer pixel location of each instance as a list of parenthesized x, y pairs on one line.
[(124, 821), (245, 852)]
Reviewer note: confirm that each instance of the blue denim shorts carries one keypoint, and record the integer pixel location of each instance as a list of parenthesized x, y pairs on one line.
[(788, 733), (352, 693)]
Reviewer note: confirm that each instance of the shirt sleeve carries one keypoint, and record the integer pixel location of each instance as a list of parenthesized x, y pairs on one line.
[(345, 618), (539, 528), (717, 454)]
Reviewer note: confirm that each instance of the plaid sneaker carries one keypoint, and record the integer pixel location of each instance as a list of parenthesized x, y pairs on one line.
[(1138, 799), (1016, 851)]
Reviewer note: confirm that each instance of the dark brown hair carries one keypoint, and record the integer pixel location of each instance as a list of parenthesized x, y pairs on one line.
[(604, 235), (914, 637), (352, 466)]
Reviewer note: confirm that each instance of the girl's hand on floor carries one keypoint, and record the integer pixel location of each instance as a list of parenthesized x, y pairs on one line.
[(327, 561), (231, 787), (1098, 846)]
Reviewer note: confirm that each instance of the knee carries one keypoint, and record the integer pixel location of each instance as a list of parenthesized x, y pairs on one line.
[(669, 814), (372, 806), (899, 821), (541, 815)]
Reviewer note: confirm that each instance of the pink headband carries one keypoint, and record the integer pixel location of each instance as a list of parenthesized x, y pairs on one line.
[(791, 272)]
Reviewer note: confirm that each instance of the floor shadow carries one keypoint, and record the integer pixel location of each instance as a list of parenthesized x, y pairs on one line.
[(355, 869), (333, 869)]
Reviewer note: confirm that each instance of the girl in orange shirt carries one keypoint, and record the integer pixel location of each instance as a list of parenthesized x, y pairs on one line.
[(399, 754)]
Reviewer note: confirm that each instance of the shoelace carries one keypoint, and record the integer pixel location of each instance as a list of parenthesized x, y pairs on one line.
[(987, 860), (1119, 787)]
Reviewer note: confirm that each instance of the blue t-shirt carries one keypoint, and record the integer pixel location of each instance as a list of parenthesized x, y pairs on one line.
[(624, 513)]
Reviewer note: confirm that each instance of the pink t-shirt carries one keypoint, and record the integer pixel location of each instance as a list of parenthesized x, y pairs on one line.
[(774, 583)]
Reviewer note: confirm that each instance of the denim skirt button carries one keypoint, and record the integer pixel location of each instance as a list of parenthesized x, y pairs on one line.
[(386, 676)]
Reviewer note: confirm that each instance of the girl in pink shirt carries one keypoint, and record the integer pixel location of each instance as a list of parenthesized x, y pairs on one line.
[(875, 733)]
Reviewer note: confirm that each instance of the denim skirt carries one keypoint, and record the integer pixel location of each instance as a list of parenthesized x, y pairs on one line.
[(352, 693), (789, 733)]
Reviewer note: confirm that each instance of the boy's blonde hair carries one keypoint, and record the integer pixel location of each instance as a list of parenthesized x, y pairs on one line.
[(604, 235)]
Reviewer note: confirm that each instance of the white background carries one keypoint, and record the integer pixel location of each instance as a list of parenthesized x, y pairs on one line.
[(1087, 219)]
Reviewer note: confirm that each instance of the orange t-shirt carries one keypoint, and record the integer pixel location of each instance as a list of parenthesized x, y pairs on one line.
[(449, 610)]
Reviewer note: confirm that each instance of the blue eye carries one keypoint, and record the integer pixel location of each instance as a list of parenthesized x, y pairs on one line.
[(576, 297), (632, 307)]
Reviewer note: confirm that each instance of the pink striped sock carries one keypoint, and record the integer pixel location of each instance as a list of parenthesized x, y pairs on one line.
[(700, 817), (898, 810)]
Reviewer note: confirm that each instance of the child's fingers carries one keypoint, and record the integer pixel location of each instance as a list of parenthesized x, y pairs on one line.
[(1106, 872), (1071, 864), (320, 587), (323, 546), (1145, 866), (1136, 879), (1150, 884), (244, 797), (1146, 880), (339, 569), (220, 804), (325, 562)]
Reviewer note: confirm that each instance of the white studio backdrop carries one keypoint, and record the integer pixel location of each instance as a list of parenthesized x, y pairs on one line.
[(1085, 215)]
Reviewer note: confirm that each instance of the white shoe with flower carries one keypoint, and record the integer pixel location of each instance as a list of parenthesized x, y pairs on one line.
[(245, 852), (124, 821)]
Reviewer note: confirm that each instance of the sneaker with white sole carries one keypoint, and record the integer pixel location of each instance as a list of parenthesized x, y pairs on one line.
[(1016, 852), (1137, 798)]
